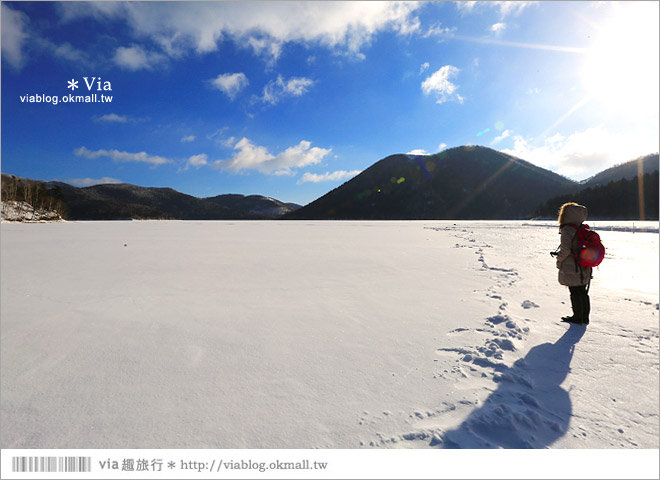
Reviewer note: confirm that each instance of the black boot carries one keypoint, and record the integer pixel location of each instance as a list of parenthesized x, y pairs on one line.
[(577, 303), (571, 320), (587, 308)]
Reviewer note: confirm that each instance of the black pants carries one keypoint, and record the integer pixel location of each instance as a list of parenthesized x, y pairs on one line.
[(580, 303)]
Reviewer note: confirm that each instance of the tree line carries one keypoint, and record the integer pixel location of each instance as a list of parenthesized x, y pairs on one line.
[(30, 200), (626, 199)]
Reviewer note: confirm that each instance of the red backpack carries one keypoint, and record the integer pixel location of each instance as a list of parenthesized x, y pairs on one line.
[(590, 249)]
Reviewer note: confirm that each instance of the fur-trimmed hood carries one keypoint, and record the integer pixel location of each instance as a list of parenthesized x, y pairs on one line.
[(572, 213)]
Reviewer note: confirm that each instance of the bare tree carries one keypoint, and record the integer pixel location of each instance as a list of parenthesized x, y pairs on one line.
[(10, 189)]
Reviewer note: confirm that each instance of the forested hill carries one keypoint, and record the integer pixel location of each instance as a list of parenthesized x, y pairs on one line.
[(459, 183), (625, 199), (627, 170), (125, 201)]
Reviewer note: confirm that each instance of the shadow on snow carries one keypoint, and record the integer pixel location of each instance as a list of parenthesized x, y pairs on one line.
[(529, 409)]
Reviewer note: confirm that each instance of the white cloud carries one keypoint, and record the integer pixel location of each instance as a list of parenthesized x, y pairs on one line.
[(220, 137), (297, 156), (253, 157), (18, 37), (505, 8), (424, 67), (277, 89), (465, 6), (227, 142), (14, 36), (556, 138), (584, 153), (248, 157), (197, 161), (413, 25), (442, 146), (117, 156), (96, 10), (188, 139), (436, 30), (136, 58), (337, 176), (440, 85), (511, 8), (498, 28), (418, 151), (87, 182), (65, 51), (230, 83), (269, 49), (264, 28), (505, 134), (113, 118), (298, 86)]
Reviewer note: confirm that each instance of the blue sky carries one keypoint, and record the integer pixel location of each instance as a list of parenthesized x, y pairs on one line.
[(291, 99)]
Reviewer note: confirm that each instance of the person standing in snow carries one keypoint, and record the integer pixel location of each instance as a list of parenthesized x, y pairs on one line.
[(572, 275)]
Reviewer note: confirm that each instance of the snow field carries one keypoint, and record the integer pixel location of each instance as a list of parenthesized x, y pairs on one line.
[(321, 335)]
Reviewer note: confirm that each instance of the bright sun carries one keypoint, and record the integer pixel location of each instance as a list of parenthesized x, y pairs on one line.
[(621, 67)]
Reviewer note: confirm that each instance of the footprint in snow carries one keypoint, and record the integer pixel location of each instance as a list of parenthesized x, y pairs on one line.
[(529, 408), (527, 304)]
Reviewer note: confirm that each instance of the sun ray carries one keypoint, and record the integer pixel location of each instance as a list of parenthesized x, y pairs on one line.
[(533, 46), (454, 211), (561, 119), (640, 188)]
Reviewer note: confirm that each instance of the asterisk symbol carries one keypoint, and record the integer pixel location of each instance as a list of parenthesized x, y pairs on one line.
[(73, 84), (171, 465)]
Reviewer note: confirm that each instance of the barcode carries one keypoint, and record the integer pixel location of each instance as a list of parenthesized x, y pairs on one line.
[(51, 464)]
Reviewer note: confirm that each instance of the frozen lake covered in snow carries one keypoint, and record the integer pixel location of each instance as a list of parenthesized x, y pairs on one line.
[(303, 334)]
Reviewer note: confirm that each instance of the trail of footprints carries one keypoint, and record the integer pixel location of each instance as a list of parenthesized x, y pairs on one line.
[(513, 409), (501, 334)]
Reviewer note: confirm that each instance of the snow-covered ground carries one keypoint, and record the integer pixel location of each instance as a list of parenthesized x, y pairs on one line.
[(322, 335), (12, 211)]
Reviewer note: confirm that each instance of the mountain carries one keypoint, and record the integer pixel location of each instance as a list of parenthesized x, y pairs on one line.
[(626, 199), (459, 183), (469, 182), (255, 204), (125, 201), (628, 170)]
